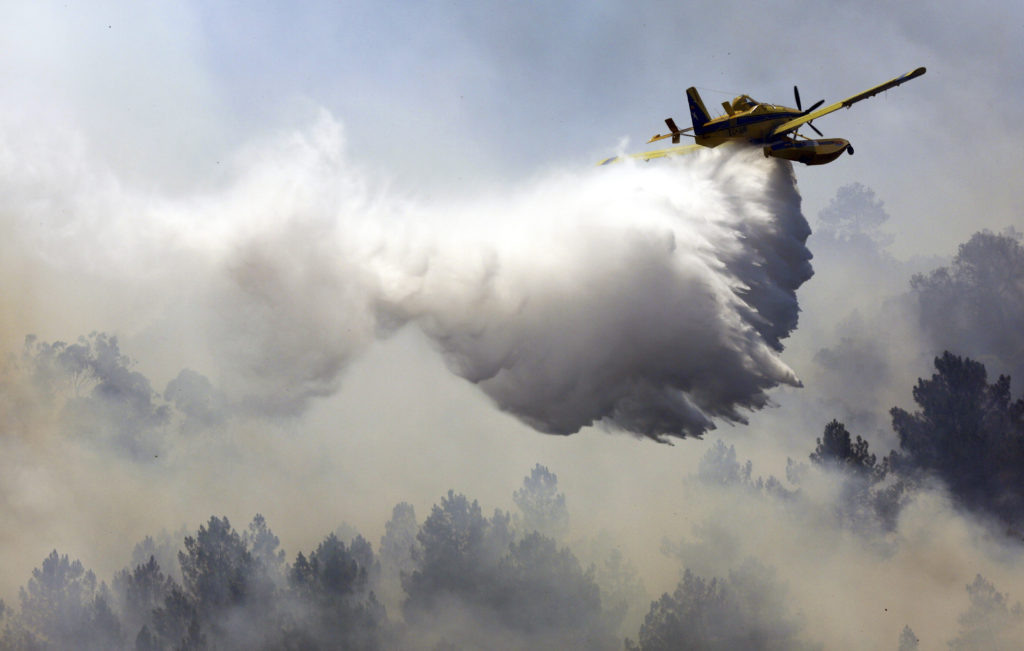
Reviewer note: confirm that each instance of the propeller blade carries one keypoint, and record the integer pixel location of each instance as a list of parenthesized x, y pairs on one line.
[(811, 125), (796, 94), (816, 105)]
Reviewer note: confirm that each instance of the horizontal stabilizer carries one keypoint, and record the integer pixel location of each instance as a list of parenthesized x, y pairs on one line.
[(674, 132), (673, 129)]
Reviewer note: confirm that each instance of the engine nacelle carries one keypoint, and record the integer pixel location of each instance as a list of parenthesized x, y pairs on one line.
[(809, 152)]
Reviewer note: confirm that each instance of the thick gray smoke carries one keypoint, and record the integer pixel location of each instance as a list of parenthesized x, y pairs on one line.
[(651, 298), (670, 280)]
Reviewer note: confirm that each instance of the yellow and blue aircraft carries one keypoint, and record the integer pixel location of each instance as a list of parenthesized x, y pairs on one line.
[(769, 126)]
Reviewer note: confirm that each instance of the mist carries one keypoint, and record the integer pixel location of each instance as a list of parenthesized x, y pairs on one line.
[(652, 301), (329, 324), (330, 287)]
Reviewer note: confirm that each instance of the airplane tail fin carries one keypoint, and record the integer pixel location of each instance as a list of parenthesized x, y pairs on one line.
[(698, 112)]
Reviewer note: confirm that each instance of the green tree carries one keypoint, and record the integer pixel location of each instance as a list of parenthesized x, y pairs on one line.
[(263, 546), (855, 213), (745, 611), (175, 623), (865, 502), (104, 399), (221, 576), (622, 589), (164, 549), (141, 592), (908, 640), (976, 305), (62, 607), (397, 547), (541, 505), (719, 467), (453, 556), (527, 591), (989, 622), (541, 590), (331, 571), (399, 540), (836, 450), (969, 433), (216, 567), (337, 608)]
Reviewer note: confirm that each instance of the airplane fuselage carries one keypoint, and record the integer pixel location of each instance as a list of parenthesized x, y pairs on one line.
[(755, 123), (745, 119)]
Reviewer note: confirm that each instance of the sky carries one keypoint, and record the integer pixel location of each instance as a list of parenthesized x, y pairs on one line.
[(447, 98), (155, 157)]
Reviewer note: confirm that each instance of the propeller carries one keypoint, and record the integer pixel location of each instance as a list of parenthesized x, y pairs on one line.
[(799, 107), (796, 94)]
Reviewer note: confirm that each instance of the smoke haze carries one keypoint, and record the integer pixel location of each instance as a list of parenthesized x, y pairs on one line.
[(649, 299), (653, 300), (208, 311)]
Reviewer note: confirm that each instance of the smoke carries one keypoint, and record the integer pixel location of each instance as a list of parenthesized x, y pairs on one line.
[(282, 302), (648, 298), (651, 299)]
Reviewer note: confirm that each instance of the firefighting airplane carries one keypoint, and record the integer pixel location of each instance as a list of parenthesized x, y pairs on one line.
[(772, 127)]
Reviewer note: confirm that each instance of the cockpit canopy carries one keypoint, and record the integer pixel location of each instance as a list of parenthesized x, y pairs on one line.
[(743, 103)]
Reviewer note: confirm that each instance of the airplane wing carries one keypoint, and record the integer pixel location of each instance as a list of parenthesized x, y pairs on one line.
[(846, 103), (658, 153)]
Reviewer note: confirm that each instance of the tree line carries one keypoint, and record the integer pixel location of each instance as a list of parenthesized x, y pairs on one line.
[(465, 579)]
